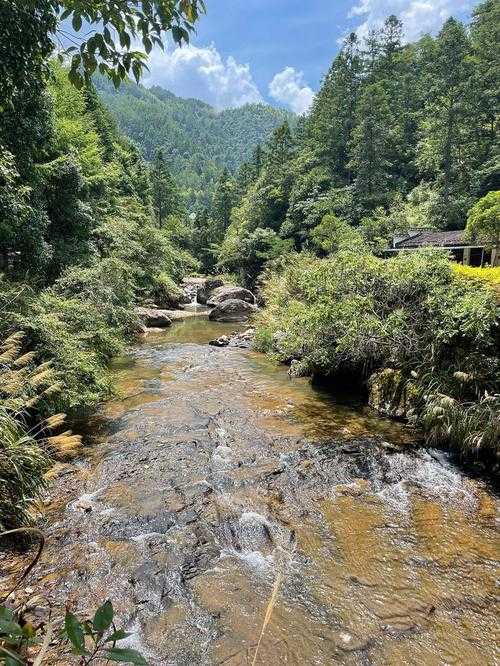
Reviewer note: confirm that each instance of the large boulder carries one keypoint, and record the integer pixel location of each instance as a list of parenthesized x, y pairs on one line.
[(153, 317), (230, 293), (173, 300), (232, 310), (391, 394), (206, 288)]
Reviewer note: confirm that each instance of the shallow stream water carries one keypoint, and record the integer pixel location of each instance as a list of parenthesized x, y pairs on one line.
[(216, 478)]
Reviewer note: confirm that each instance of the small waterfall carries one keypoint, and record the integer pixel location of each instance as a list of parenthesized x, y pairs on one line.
[(195, 300)]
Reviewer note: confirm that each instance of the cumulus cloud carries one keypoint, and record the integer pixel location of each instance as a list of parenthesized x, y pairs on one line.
[(202, 73), (418, 16), (289, 87)]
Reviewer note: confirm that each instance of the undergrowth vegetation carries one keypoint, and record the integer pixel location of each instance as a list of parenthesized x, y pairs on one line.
[(27, 444), (79, 248), (86, 197), (355, 313)]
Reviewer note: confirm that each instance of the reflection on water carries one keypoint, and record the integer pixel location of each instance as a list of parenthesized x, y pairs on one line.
[(194, 330), (216, 471), (302, 407)]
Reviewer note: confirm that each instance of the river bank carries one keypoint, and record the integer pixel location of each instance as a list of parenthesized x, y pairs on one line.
[(215, 473)]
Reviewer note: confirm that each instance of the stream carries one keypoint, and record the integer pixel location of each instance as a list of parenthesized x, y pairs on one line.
[(215, 477)]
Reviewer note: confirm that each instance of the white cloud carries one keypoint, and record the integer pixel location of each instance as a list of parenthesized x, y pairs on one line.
[(418, 16), (290, 88), (202, 73)]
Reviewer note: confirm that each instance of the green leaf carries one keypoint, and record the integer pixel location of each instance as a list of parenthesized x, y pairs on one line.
[(6, 613), (136, 69), (176, 34), (77, 22), (74, 631), (11, 661), (9, 627), (88, 628), (117, 635), (103, 617), (126, 655), (10, 658), (108, 38)]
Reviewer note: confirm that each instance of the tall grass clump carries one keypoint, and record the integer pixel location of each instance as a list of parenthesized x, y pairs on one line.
[(27, 444), (470, 428)]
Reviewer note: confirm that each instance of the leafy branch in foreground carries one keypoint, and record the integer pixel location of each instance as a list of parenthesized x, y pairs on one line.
[(91, 640), (97, 638), (116, 26), (94, 34)]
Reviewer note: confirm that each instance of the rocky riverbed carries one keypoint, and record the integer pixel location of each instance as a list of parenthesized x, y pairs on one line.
[(216, 475)]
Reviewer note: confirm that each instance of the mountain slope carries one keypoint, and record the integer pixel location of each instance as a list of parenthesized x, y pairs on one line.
[(197, 139)]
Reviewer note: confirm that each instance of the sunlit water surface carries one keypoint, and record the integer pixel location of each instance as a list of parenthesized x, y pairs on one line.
[(215, 473)]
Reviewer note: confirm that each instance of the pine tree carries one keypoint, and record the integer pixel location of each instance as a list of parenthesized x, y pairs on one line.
[(203, 240), (166, 196), (485, 37), (332, 118), (280, 148), (391, 39), (372, 148), (222, 204), (256, 161), (445, 151)]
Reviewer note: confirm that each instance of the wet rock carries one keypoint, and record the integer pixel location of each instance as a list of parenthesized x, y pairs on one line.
[(243, 340), (239, 339), (390, 447), (391, 394), (349, 489), (223, 341), (170, 300), (84, 505), (153, 317), (188, 517), (230, 293), (207, 287), (232, 310), (190, 291), (347, 642)]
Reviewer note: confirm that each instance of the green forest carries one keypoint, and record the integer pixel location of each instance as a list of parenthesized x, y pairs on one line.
[(113, 194), (197, 141), (400, 136)]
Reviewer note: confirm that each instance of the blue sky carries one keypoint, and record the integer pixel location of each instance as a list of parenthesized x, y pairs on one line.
[(277, 50)]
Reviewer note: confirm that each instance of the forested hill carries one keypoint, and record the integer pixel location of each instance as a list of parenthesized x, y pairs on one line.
[(197, 140)]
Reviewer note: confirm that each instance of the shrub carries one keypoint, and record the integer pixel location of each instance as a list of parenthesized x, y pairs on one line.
[(353, 312), (166, 292), (488, 275), (75, 335)]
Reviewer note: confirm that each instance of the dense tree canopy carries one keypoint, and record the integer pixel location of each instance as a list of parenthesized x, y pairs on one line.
[(399, 136), (198, 140)]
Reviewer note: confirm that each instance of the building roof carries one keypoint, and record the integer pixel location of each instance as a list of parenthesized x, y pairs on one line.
[(433, 239)]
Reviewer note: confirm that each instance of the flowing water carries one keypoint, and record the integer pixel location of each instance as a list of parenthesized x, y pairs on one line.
[(216, 476)]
